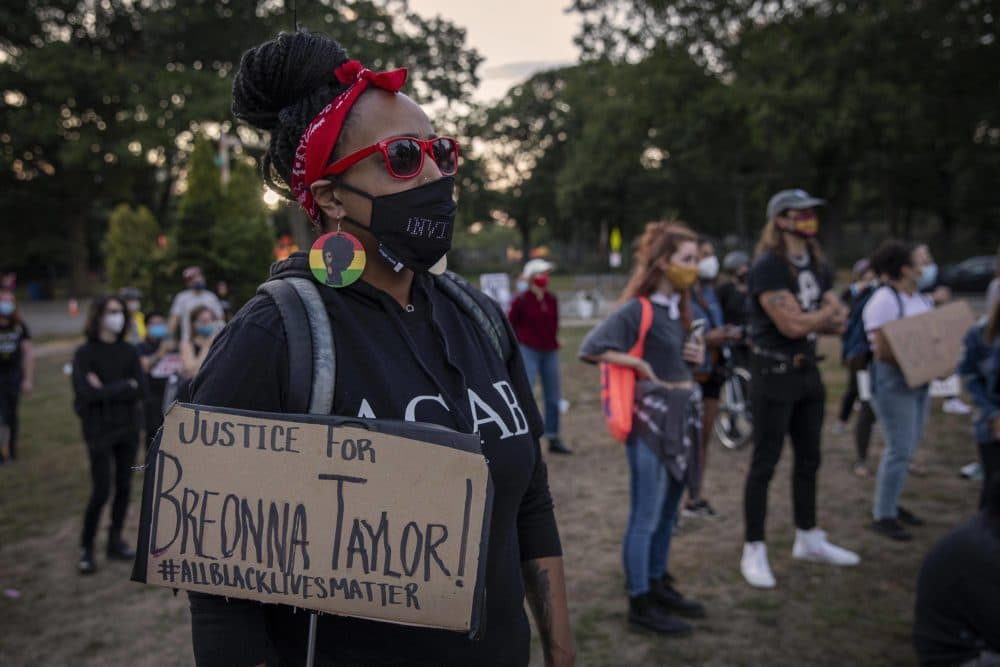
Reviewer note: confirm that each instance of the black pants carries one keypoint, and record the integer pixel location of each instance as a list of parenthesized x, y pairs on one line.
[(863, 430), (851, 395), (107, 458), (989, 455), (9, 397), (792, 404)]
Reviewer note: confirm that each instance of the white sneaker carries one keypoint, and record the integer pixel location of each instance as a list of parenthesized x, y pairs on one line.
[(754, 566), (812, 545), (956, 406)]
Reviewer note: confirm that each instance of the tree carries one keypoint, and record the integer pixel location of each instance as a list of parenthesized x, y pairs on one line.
[(130, 243)]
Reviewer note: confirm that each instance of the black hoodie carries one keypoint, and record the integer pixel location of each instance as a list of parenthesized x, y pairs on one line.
[(432, 365)]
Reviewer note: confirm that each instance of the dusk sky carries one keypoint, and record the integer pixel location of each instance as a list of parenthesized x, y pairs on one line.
[(517, 37)]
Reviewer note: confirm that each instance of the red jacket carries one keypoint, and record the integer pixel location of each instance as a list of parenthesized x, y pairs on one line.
[(535, 321)]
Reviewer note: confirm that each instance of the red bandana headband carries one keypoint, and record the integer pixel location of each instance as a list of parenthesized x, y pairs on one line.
[(322, 133)]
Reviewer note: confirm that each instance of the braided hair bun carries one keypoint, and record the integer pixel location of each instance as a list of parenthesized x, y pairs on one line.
[(280, 87)]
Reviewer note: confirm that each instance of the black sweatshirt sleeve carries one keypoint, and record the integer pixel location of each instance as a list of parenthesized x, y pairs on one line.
[(85, 393)]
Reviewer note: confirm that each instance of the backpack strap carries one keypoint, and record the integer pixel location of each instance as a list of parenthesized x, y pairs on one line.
[(462, 293), (311, 352), (645, 323)]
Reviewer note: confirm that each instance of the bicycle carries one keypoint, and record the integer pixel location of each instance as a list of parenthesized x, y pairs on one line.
[(734, 423)]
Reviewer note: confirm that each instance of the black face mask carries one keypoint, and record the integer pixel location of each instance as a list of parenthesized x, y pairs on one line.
[(414, 227)]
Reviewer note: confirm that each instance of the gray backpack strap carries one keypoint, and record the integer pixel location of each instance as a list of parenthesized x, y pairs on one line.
[(324, 357), (461, 292), (297, 333), (311, 352)]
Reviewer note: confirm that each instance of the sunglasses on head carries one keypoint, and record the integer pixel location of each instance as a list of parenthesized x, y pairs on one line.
[(404, 156)]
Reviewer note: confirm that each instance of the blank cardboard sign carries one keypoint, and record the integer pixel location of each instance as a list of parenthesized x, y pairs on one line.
[(368, 518), (928, 346)]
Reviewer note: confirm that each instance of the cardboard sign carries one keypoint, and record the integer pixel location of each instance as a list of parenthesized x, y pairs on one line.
[(368, 518), (928, 346)]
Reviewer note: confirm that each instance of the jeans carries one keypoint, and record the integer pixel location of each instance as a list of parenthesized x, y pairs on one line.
[(107, 458), (653, 500), (790, 403), (902, 412), (546, 364)]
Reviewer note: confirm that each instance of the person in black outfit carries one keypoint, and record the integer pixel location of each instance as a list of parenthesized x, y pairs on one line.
[(957, 611), (404, 350), (791, 303), (109, 385), (159, 357), (17, 372)]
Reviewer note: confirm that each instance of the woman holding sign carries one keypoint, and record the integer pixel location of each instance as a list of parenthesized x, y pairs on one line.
[(901, 410), (366, 165)]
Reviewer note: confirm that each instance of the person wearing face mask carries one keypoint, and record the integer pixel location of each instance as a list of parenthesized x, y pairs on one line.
[(901, 410), (196, 294), (137, 320), (204, 325), (159, 358), (17, 372), (927, 283), (108, 385), (364, 162), (705, 306), (854, 298), (791, 305), (661, 458), (534, 314)]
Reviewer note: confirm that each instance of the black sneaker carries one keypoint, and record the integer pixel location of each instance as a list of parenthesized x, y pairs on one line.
[(119, 550), (908, 517), (892, 529), (644, 615), (86, 564), (556, 446), (699, 509), (669, 598)]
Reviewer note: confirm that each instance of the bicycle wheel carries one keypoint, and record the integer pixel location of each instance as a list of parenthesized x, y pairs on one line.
[(734, 424)]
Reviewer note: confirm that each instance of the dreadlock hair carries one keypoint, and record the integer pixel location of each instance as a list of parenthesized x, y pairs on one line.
[(660, 240), (280, 87)]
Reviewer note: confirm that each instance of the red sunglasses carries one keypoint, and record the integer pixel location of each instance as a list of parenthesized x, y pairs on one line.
[(404, 156)]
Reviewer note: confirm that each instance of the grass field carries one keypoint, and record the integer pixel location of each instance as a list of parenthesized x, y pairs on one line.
[(818, 615)]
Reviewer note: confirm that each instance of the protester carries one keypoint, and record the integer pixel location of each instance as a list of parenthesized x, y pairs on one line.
[(159, 358), (188, 299), (901, 410), (980, 370), (137, 320), (853, 352), (791, 303), (534, 314), (17, 371), (222, 291), (928, 284), (733, 297), (662, 465), (705, 306), (109, 385), (345, 143), (957, 610), (204, 325)]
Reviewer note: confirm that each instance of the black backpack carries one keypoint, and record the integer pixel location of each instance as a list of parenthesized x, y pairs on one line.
[(311, 345)]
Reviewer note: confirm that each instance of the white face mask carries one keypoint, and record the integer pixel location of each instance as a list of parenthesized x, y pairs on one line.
[(114, 322), (708, 268)]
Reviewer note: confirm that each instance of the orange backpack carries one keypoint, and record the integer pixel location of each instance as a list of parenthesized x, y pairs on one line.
[(618, 382)]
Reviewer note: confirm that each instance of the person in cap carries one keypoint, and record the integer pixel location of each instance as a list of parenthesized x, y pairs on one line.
[(196, 294), (534, 314), (791, 305), (364, 162)]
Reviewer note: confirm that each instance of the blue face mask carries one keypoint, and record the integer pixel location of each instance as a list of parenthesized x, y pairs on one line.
[(158, 331), (6, 308), (928, 276), (206, 330)]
